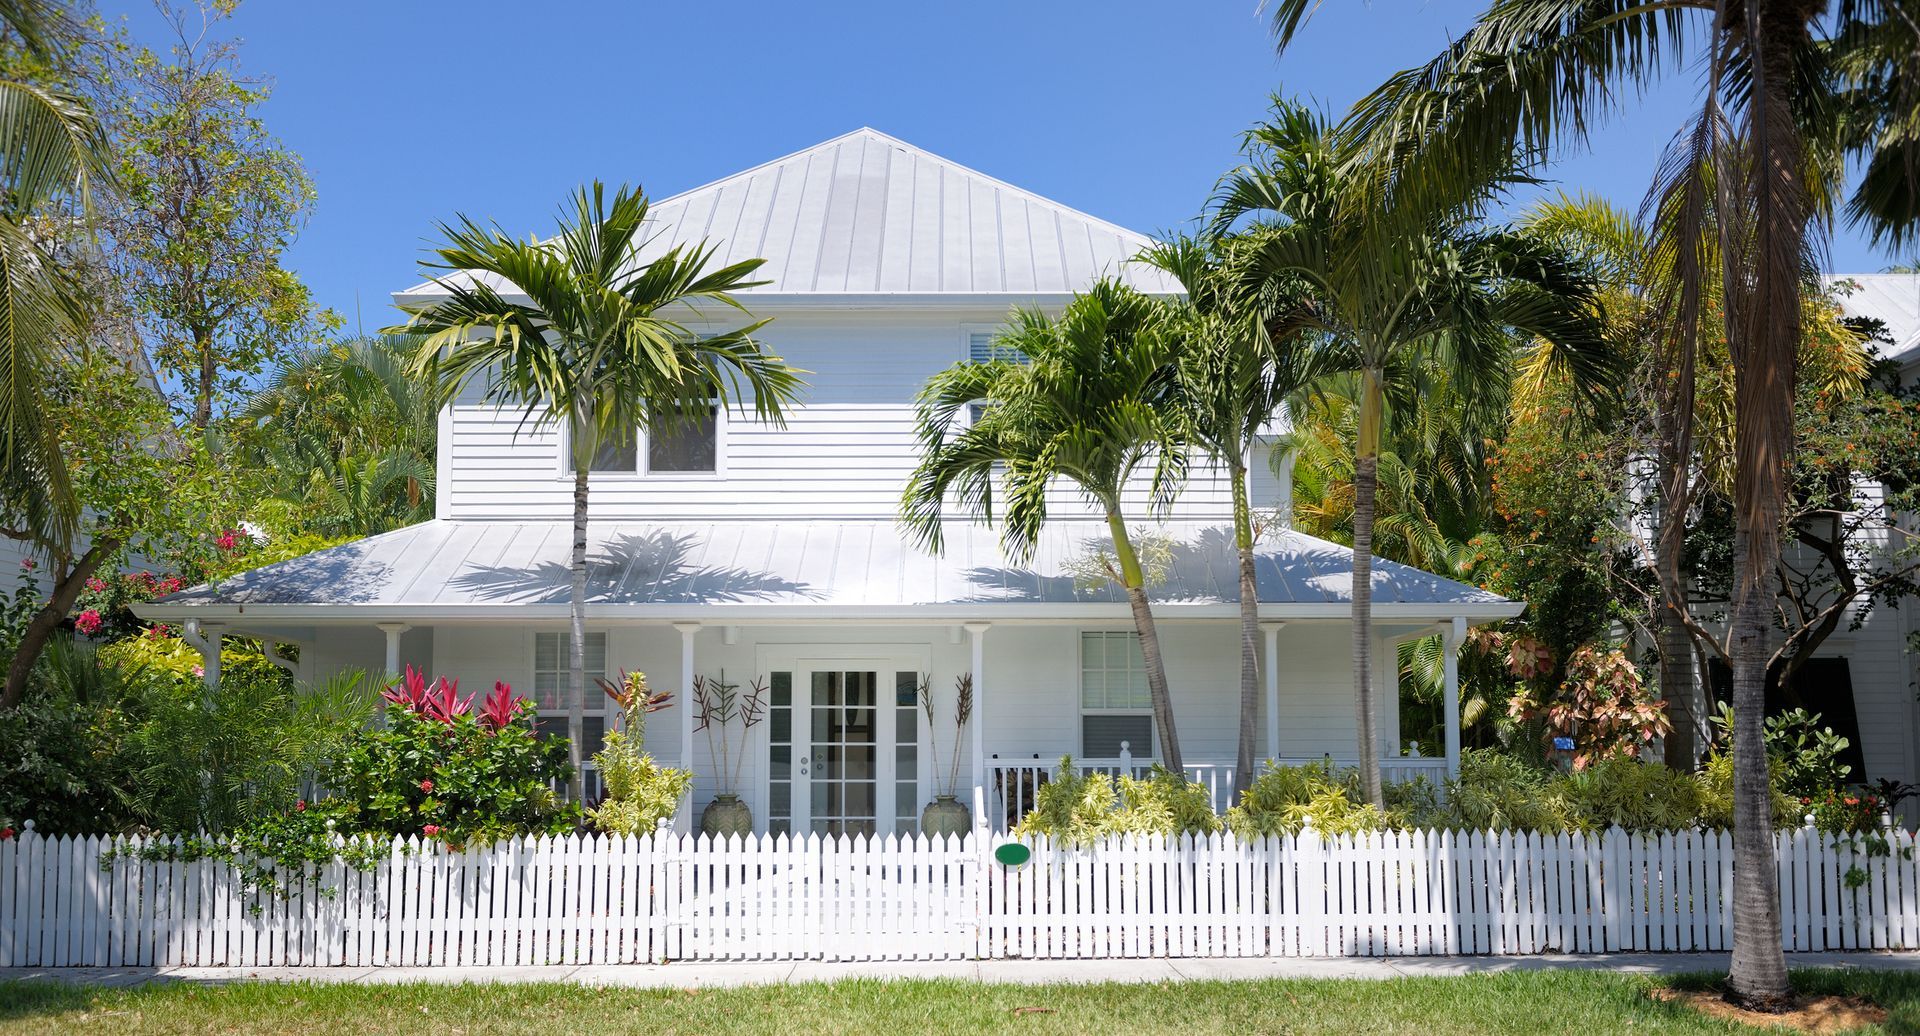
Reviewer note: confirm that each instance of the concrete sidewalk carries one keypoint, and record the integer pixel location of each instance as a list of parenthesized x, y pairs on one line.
[(1028, 972)]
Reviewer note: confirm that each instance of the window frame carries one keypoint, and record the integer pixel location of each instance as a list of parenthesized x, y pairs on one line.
[(642, 468), (1149, 752)]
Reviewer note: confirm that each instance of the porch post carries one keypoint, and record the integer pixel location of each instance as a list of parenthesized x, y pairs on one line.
[(683, 820), (1271, 663), (977, 634), (1450, 695), (393, 631)]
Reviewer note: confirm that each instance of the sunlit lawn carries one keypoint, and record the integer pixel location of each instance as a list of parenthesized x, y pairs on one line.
[(1533, 1003)]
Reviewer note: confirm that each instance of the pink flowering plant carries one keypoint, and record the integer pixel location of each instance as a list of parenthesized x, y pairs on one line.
[(446, 770), (104, 609)]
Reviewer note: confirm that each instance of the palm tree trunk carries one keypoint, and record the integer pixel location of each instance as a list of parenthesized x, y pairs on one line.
[(1243, 761), (1134, 580), (1366, 481), (1673, 452), (1679, 687), (1765, 365), (577, 638)]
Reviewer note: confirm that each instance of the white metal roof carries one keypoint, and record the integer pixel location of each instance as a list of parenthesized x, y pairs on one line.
[(478, 569), (1893, 298), (866, 214)]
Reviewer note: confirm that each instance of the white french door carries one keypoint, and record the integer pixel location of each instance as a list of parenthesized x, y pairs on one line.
[(843, 745)]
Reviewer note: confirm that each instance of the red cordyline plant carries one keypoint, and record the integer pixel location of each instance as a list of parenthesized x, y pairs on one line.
[(442, 703)]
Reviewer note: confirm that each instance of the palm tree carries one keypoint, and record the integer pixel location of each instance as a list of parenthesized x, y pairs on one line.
[(1093, 402), (349, 435), (1382, 294), (52, 151), (1234, 378), (1791, 88), (577, 330)]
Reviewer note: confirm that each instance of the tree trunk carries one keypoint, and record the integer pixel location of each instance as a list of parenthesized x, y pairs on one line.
[(1134, 580), (1365, 482), (577, 636), (1681, 689), (1764, 371), (1679, 684), (40, 628), (203, 390), (1243, 759)]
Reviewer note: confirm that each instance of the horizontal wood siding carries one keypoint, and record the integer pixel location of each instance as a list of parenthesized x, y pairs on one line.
[(846, 451)]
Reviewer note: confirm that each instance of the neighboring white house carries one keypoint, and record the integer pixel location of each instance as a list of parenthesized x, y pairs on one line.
[(773, 554)]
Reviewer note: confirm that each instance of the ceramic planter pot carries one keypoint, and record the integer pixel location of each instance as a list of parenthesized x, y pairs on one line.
[(726, 815), (946, 815)]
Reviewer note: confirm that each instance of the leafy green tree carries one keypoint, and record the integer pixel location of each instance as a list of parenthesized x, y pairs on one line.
[(210, 203), (576, 330), (1092, 400), (1234, 377), (1383, 291), (143, 486), (1791, 89), (53, 161)]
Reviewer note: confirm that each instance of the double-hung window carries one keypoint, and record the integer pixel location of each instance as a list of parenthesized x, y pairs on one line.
[(551, 670), (1115, 706), (983, 345), (683, 442)]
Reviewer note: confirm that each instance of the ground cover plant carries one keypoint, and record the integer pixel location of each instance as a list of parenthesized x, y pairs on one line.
[(1524, 1002)]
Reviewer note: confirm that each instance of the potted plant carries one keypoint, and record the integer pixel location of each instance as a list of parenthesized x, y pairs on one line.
[(723, 712), (946, 814)]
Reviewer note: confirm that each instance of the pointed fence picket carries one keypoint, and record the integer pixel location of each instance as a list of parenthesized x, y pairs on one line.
[(667, 896)]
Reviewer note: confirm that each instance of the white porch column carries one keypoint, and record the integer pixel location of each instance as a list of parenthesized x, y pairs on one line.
[(683, 820), (393, 631), (1450, 694), (1271, 663), (977, 633)]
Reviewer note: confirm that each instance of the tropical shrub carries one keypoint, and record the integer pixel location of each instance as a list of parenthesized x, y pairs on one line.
[(1165, 803), (1716, 796), (1287, 799), (1496, 792), (1074, 808), (1629, 794), (640, 792), (1845, 811), (1804, 754), (442, 770)]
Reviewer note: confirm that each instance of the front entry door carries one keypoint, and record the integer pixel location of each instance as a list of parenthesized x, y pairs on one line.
[(843, 747)]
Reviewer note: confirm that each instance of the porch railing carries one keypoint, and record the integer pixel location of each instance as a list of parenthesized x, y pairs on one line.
[(1014, 784)]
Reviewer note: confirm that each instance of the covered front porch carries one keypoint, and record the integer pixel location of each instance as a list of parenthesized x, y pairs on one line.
[(856, 650)]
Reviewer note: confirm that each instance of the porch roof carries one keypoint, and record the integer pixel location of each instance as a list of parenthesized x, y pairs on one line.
[(451, 570)]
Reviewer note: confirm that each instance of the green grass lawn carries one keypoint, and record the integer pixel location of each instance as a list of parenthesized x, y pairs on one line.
[(1531, 1003)]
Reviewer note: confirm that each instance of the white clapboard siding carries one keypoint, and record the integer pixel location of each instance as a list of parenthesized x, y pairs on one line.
[(606, 900)]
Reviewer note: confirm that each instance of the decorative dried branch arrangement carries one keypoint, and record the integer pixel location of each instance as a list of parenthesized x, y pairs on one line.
[(949, 783), (722, 711)]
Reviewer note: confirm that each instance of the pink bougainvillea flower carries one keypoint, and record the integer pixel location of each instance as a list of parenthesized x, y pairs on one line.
[(199, 670), (96, 584), (87, 622), (28, 564), (430, 830), (169, 585), (300, 806), (426, 786), (225, 540), (500, 707), (5, 833)]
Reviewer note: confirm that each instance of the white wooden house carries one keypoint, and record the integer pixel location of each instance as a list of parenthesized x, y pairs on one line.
[(773, 555)]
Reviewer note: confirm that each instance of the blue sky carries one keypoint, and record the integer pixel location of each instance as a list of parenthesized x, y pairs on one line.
[(408, 112)]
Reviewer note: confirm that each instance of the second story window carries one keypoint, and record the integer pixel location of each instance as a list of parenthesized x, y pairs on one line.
[(678, 445)]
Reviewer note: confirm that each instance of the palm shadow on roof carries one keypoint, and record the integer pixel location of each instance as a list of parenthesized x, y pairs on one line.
[(653, 568)]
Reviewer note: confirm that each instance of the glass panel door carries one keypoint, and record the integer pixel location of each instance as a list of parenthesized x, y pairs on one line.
[(842, 772)]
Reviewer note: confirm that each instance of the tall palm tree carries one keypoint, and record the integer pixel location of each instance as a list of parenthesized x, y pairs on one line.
[(1234, 379), (1791, 88), (52, 152), (1093, 403), (1384, 292), (576, 330)]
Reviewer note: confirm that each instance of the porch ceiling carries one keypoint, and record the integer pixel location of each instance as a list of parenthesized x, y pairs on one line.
[(788, 571)]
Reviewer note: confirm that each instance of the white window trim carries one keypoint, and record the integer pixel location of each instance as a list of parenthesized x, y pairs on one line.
[(1147, 754), (564, 459), (594, 704)]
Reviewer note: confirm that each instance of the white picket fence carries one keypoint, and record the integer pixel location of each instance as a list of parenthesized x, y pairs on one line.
[(593, 900)]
